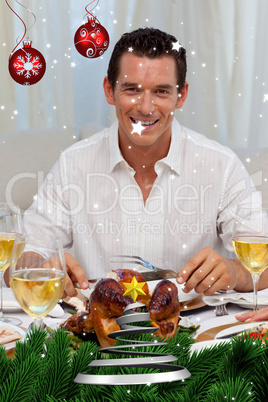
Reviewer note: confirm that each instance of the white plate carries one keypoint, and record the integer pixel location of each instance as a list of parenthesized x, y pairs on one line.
[(198, 346), (183, 297), (10, 303), (249, 304), (228, 331), (9, 346)]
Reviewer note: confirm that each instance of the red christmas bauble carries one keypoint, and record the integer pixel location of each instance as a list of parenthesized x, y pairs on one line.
[(27, 65), (91, 39)]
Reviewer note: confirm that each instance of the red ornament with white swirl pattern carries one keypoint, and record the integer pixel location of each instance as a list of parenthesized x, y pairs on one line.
[(91, 39)]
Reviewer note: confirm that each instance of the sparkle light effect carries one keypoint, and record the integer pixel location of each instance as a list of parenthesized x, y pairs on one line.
[(137, 128), (176, 46)]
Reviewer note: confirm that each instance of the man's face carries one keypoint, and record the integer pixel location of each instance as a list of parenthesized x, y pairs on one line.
[(145, 98)]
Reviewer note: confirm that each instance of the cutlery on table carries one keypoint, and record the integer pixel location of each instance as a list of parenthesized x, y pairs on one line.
[(221, 310), (155, 273)]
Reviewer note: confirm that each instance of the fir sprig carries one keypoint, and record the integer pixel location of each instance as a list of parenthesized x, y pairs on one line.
[(43, 369)]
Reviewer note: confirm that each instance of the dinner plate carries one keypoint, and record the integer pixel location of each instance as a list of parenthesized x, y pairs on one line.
[(10, 303), (249, 304), (199, 346), (227, 333), (9, 346), (184, 298), (211, 333)]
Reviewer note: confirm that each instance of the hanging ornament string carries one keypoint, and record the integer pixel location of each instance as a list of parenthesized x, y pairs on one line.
[(90, 12), (27, 17), (25, 28)]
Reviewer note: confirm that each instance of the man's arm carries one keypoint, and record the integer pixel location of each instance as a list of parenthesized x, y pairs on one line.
[(75, 273), (207, 272)]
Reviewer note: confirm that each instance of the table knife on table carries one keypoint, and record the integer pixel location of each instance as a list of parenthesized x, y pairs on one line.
[(153, 275)]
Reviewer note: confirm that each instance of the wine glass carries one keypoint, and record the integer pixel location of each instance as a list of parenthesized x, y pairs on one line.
[(10, 227), (250, 241), (37, 275)]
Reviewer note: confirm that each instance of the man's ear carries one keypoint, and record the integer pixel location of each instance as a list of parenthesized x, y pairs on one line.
[(182, 96), (108, 91)]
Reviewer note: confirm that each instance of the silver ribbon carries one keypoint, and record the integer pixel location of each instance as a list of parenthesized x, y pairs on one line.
[(151, 360)]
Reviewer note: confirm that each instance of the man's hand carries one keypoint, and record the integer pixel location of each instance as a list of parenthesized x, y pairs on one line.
[(208, 272), (75, 273), (259, 315)]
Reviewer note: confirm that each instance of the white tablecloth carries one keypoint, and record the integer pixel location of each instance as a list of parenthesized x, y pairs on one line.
[(204, 316)]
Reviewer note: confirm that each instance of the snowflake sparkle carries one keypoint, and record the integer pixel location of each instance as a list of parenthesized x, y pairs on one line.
[(137, 128), (176, 46)]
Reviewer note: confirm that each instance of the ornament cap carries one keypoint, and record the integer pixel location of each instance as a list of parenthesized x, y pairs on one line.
[(27, 44), (91, 18)]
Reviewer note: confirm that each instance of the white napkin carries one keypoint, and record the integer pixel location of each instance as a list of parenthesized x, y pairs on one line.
[(11, 304), (9, 301), (56, 312), (237, 298)]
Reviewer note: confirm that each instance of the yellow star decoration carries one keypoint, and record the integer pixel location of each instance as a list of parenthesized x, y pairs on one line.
[(134, 288)]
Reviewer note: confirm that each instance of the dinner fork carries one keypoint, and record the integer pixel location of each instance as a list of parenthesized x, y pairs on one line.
[(221, 310), (156, 273), (133, 259)]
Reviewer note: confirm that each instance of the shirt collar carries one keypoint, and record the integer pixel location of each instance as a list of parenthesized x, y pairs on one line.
[(115, 153), (173, 158)]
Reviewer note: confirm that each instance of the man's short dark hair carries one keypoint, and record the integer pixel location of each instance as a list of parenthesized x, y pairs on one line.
[(151, 43)]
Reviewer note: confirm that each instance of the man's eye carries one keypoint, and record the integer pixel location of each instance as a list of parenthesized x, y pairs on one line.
[(132, 89), (162, 91)]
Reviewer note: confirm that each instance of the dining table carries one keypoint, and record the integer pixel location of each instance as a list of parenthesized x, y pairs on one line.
[(195, 312)]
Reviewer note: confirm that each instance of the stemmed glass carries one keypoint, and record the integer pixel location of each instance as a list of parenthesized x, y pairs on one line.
[(10, 227), (250, 242), (37, 275)]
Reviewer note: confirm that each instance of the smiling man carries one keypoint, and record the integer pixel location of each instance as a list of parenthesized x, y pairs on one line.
[(146, 186), (145, 96)]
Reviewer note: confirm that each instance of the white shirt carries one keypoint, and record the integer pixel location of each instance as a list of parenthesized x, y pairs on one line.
[(91, 200)]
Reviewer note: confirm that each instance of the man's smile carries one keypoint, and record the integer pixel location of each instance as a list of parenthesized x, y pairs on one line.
[(144, 122)]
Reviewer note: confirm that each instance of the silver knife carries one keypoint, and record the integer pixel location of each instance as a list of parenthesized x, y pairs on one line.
[(155, 275), (237, 332)]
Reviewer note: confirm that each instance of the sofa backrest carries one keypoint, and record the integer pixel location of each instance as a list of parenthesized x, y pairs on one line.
[(26, 158)]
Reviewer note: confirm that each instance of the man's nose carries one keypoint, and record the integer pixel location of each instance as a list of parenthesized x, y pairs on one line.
[(146, 103)]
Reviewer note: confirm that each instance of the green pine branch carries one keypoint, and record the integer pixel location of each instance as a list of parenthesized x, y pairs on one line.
[(43, 369), (57, 370), (20, 384), (4, 365), (235, 389)]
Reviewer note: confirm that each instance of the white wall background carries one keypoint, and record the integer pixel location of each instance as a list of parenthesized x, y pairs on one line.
[(227, 52)]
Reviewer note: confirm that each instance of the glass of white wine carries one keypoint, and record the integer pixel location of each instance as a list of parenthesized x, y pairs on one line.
[(10, 227), (37, 275), (250, 242)]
